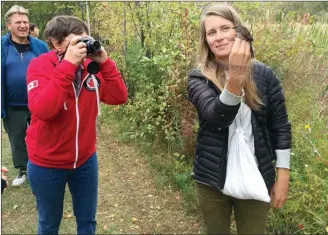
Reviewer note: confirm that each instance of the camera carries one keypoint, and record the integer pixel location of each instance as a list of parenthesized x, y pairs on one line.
[(92, 45)]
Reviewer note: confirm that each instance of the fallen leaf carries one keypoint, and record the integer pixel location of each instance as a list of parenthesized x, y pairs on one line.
[(196, 224), (134, 219), (68, 215)]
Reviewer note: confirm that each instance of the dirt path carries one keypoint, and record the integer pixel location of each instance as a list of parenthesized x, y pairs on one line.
[(128, 201)]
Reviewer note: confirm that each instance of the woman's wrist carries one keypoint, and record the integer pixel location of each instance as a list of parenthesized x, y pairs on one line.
[(282, 174), (234, 87)]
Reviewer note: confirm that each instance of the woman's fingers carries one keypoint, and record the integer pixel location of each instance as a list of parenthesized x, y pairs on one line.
[(236, 45), (247, 49)]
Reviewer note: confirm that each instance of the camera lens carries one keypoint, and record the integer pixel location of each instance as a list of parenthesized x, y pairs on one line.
[(95, 46)]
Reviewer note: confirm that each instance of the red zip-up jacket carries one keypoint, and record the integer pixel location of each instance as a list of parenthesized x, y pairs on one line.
[(62, 132)]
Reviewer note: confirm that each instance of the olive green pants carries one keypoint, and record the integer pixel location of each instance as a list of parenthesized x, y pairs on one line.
[(250, 215)]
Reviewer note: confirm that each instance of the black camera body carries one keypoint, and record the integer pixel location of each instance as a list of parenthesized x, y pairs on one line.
[(93, 46)]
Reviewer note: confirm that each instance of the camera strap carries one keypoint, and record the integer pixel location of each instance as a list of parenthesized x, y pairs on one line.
[(78, 75)]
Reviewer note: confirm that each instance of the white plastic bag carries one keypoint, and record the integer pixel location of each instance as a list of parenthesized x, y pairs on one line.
[(244, 180)]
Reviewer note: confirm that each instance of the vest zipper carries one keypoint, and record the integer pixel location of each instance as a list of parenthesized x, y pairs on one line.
[(224, 163), (21, 54)]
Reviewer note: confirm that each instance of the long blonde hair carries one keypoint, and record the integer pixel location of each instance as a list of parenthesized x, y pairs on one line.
[(208, 64)]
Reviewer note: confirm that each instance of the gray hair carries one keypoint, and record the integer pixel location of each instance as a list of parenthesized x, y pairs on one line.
[(15, 10)]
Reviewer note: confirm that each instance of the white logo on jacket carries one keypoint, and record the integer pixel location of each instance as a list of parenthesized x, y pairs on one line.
[(32, 85), (90, 83)]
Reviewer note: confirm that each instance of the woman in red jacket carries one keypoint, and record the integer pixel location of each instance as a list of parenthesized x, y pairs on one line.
[(64, 99)]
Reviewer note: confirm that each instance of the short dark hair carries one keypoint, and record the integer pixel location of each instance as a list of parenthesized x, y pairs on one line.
[(60, 27), (32, 27)]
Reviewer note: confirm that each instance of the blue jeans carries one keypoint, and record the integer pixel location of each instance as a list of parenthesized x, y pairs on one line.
[(48, 187)]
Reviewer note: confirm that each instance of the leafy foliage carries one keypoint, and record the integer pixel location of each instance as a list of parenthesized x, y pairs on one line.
[(160, 115), (155, 46), (41, 12)]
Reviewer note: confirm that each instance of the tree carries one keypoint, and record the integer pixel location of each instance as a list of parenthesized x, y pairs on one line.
[(41, 12)]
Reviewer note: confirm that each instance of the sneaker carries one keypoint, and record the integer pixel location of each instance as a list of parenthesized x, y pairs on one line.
[(20, 179)]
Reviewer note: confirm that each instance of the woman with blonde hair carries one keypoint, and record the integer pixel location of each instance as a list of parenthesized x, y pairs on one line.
[(243, 128)]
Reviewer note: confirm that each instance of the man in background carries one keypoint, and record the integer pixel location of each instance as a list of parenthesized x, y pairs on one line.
[(17, 50), (34, 30)]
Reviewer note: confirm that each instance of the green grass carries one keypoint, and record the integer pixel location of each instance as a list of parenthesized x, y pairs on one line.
[(127, 189), (300, 60), (18, 203)]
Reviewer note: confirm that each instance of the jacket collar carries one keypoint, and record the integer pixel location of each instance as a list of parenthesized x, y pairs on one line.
[(8, 36)]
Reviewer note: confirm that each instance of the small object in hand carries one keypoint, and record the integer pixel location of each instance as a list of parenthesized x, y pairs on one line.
[(93, 46), (244, 34)]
